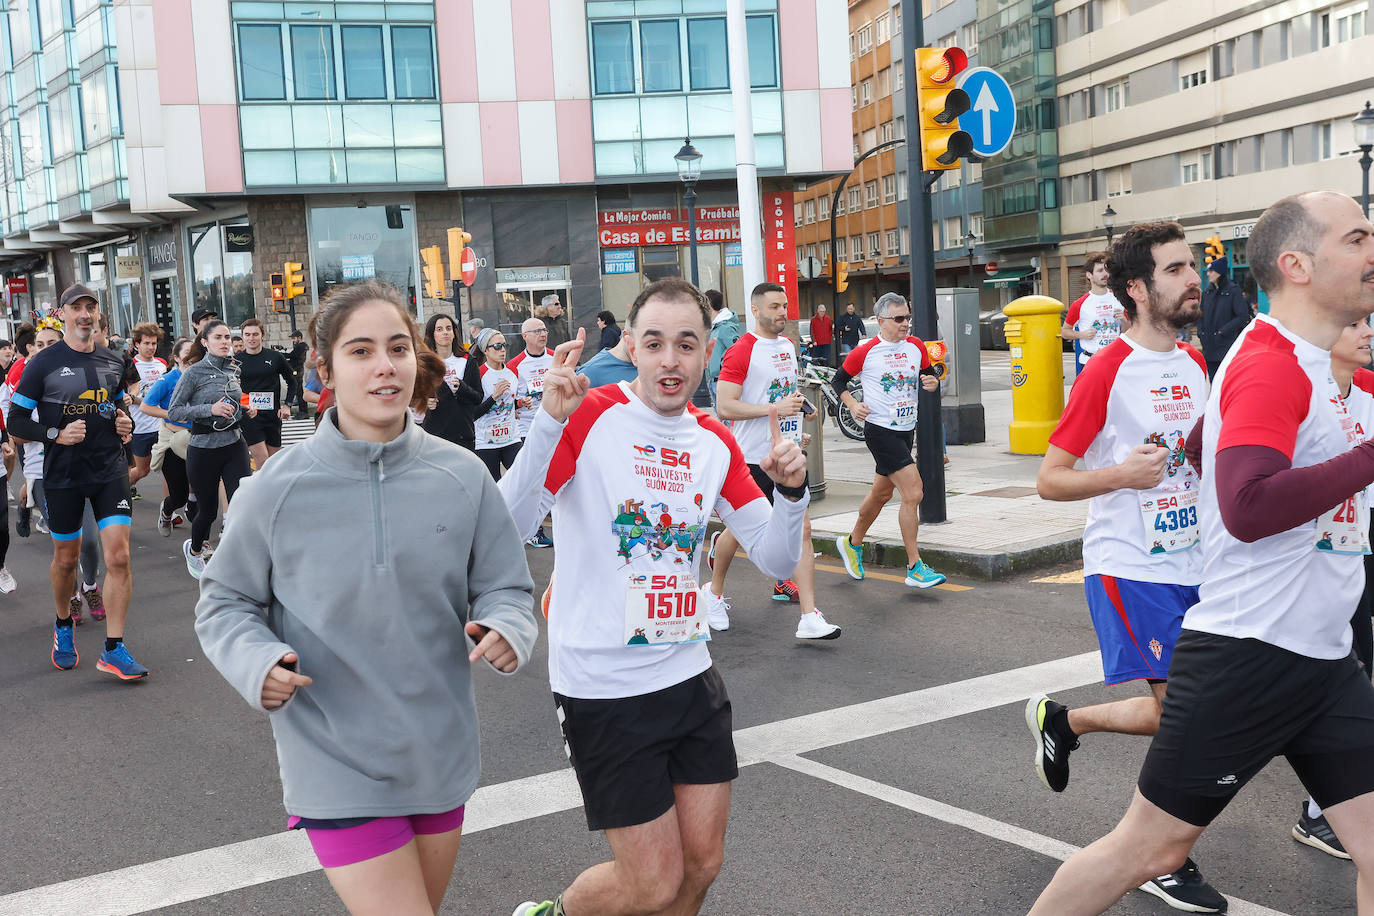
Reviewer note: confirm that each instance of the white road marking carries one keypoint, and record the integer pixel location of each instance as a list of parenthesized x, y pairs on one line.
[(969, 820)]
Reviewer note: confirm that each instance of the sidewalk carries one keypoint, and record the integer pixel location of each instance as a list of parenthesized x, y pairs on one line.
[(996, 526)]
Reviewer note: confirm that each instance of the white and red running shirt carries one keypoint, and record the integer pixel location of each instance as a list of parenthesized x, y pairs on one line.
[(497, 427), (454, 367), (1360, 403), (631, 492), (891, 376), (530, 372), (1100, 313), (1129, 396), (1275, 389), (148, 373), (766, 370)]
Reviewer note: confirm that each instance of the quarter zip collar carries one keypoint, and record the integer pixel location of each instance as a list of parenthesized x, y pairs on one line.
[(358, 460)]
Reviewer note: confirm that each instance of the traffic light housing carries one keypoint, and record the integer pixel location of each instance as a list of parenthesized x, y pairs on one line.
[(294, 279), (1215, 249), (457, 241), (434, 271), (841, 276), (938, 105), (277, 285)]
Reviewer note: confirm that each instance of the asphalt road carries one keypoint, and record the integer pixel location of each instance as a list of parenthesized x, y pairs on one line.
[(907, 786)]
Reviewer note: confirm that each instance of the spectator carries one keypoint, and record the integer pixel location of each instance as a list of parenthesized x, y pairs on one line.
[(296, 360), (822, 333), (554, 320), (1225, 313), (849, 327), (475, 327), (725, 330), (610, 331)]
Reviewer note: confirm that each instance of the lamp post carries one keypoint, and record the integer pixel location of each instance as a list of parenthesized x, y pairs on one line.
[(689, 170), (969, 241), (1364, 139), (1109, 220)]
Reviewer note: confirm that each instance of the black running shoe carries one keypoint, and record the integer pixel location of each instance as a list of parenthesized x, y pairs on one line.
[(21, 524), (1051, 748), (1317, 833), (1186, 890)]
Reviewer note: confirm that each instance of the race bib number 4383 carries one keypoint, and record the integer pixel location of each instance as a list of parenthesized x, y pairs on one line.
[(662, 610), (1170, 518)]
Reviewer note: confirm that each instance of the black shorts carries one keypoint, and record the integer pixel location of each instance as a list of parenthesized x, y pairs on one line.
[(628, 753), (763, 480), (142, 444), (891, 448), (1235, 704), (265, 427), (67, 506)]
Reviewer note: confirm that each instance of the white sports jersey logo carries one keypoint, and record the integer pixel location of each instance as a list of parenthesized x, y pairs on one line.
[(65, 373)]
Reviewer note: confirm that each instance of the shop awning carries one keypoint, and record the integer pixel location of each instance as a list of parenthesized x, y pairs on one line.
[(1007, 277)]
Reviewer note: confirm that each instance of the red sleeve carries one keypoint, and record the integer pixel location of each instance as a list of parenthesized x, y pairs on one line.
[(1086, 413), (735, 366), (925, 354), (1075, 309), (482, 370), (161, 360), (1198, 357), (1364, 380), (739, 488), (514, 364), (854, 362), (1263, 400), (16, 370)]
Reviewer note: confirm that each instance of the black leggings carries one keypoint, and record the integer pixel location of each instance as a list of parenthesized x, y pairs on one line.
[(178, 487), (206, 468), (494, 458), (4, 519)]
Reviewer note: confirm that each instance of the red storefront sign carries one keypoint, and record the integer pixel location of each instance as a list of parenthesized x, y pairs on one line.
[(19, 285), (666, 226), (780, 246)]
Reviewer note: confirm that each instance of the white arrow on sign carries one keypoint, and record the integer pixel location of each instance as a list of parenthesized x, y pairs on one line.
[(986, 105)]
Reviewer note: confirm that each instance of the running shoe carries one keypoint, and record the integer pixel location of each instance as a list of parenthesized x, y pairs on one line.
[(181, 515), (1186, 890), (540, 539), (133, 493), (64, 654), (195, 565), (922, 576), (1052, 748), (21, 523), (711, 553), (786, 590), (815, 626), (164, 525), (717, 609), (7, 583), (95, 602), (1317, 833), (530, 908), (41, 524), (544, 601), (75, 606), (851, 555), (121, 664)]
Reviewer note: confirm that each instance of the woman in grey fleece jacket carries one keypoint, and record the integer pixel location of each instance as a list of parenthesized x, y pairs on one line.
[(344, 600)]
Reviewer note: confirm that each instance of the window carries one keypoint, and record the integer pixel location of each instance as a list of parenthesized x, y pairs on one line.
[(882, 29), (975, 171), (1118, 181), (870, 194), (899, 126), (970, 41), (901, 186), (865, 38), (884, 82), (1192, 70), (935, 235), (951, 178), (763, 53), (889, 189), (810, 251), (312, 61), (856, 247), (855, 203), (706, 54), (810, 212), (898, 78), (947, 41), (866, 92), (867, 140), (1076, 189), (797, 213), (660, 54), (823, 207), (1324, 149), (1350, 23), (954, 232), (363, 62), (1116, 96), (412, 61), (841, 248), (874, 251), (839, 206), (265, 77), (890, 238), (854, 97), (853, 46), (1197, 165), (614, 57), (905, 244), (975, 225)]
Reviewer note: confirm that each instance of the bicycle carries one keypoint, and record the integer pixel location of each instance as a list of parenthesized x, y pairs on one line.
[(824, 376)]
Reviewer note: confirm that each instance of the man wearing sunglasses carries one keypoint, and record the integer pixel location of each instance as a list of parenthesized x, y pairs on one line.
[(529, 366), (890, 367)]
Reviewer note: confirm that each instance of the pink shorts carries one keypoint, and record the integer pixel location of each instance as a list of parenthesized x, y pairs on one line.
[(347, 842)]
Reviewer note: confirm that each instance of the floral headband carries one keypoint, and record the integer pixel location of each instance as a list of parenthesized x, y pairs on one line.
[(46, 324)]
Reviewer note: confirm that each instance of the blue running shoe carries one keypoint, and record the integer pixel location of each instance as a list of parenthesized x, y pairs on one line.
[(121, 664), (922, 576), (852, 557), (64, 654)]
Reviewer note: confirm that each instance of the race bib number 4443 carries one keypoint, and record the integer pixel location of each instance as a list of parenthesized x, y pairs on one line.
[(662, 610)]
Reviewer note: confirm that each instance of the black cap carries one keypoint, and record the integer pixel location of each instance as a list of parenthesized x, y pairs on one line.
[(77, 291), (199, 314), (297, 335)]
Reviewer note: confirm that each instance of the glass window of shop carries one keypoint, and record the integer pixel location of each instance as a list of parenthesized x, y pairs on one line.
[(351, 243), (221, 280)]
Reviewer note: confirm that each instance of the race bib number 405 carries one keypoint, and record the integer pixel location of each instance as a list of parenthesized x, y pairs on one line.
[(1170, 520), (661, 610)]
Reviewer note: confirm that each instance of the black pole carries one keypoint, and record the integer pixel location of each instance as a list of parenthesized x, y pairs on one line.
[(1365, 162), (834, 204), (929, 424), (690, 196), (972, 278)]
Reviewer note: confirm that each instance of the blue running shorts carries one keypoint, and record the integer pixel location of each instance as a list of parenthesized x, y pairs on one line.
[(1137, 624)]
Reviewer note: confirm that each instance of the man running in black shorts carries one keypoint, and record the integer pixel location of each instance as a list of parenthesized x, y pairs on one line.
[(261, 374), (76, 387)]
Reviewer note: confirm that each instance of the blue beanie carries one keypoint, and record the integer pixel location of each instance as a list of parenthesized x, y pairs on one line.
[(1221, 266)]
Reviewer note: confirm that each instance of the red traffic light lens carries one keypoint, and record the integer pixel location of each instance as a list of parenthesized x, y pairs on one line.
[(952, 62)]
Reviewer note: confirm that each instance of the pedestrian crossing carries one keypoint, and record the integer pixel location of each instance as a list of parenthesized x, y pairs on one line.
[(294, 431)]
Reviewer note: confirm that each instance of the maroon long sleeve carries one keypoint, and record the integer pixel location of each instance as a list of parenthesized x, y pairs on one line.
[(1260, 493)]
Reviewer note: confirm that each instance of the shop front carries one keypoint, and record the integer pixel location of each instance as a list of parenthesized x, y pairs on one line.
[(352, 240), (639, 246), (220, 256)]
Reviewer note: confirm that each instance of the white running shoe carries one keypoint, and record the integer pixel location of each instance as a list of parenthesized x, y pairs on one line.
[(7, 583), (40, 523), (195, 564), (815, 626), (717, 609)]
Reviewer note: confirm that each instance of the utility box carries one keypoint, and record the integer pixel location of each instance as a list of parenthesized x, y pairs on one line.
[(961, 394), (815, 452)]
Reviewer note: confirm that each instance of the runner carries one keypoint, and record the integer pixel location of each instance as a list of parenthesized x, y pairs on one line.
[(209, 395), (757, 378), (610, 366), (173, 439), (1262, 667), (1094, 319), (890, 367), (262, 372), (146, 368), (632, 475), (7, 583), (1127, 419), (450, 413), (75, 386), (529, 366), (498, 440), (28, 455), (380, 753)]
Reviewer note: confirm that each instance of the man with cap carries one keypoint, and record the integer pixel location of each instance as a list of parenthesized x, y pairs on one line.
[(1225, 313), (200, 316), (71, 398)]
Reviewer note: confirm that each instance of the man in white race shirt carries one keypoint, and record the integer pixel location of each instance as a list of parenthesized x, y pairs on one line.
[(149, 367), (633, 472), (759, 373), (1094, 319), (891, 367), (529, 366), (1127, 418), (1263, 665)]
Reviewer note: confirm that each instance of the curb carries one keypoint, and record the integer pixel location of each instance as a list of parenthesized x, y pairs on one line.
[(978, 564)]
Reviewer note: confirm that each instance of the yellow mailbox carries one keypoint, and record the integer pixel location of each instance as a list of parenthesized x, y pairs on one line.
[(1037, 371)]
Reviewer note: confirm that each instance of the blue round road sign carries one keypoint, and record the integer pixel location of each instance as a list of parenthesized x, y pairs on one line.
[(992, 119)]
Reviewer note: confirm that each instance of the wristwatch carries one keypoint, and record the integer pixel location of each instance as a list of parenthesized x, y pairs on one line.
[(52, 433)]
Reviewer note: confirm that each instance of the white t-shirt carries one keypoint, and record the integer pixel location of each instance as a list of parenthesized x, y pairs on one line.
[(148, 373), (1098, 312), (1360, 404), (530, 371), (497, 427), (1275, 389), (766, 370), (454, 367), (1129, 396), (890, 372)]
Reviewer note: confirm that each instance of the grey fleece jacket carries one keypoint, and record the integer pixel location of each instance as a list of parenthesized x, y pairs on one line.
[(367, 560), (202, 384)]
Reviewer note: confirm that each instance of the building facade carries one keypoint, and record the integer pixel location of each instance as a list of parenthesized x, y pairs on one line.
[(347, 135)]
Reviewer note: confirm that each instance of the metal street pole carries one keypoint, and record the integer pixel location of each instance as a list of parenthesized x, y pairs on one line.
[(746, 168), (834, 204), (1365, 162), (929, 424), (689, 196)]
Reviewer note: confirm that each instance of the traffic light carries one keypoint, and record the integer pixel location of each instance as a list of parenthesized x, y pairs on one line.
[(457, 241), (277, 285), (434, 271), (1215, 249), (841, 276), (939, 105), (295, 280)]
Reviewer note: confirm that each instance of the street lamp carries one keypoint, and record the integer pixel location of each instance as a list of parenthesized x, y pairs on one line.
[(1364, 139), (689, 170), (969, 241), (1109, 220)]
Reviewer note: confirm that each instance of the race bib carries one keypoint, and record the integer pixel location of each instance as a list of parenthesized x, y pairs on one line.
[(260, 400), (662, 611), (1344, 529), (903, 412), (502, 433), (1170, 518), (791, 427)]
